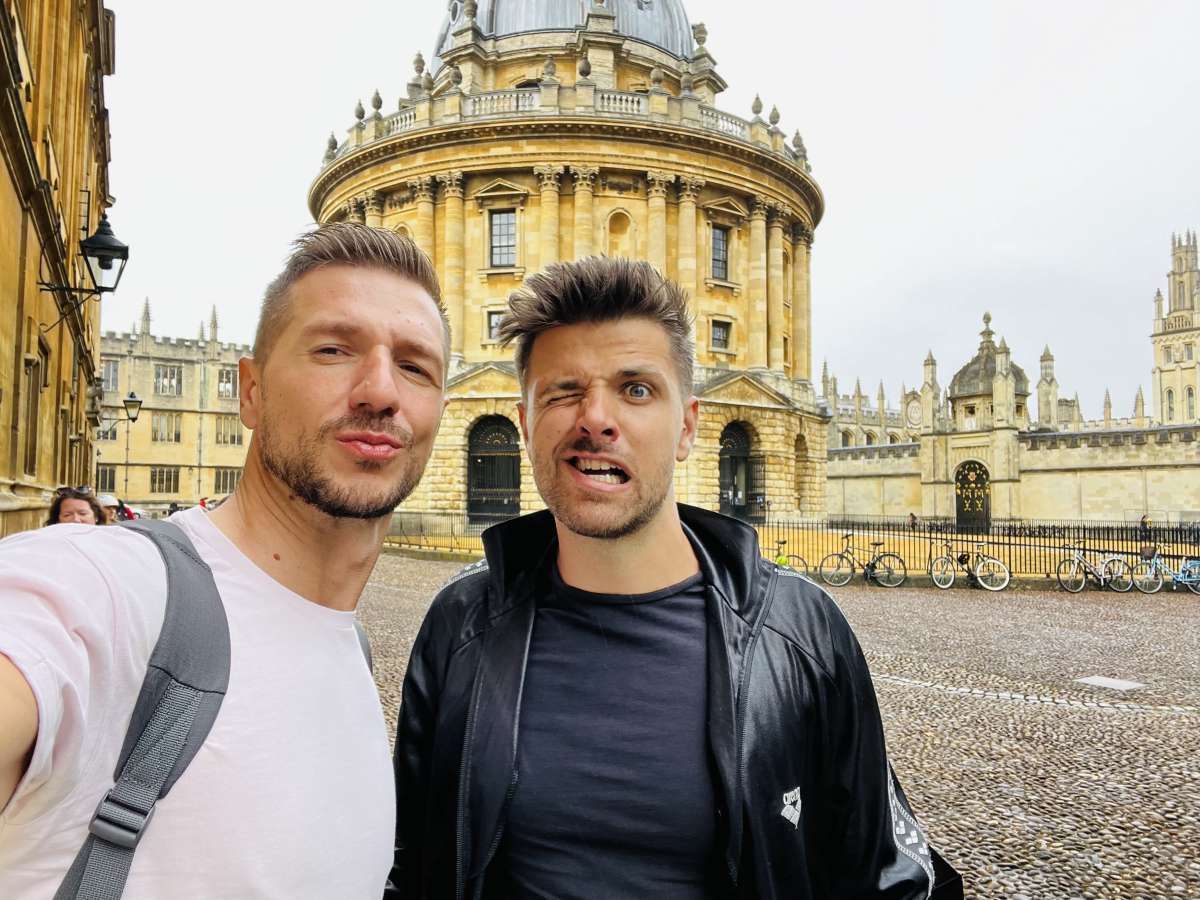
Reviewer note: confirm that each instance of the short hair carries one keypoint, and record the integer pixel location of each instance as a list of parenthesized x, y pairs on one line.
[(350, 244), (69, 493), (599, 289)]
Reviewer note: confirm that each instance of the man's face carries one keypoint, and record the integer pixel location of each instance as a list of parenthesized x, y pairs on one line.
[(347, 404), (605, 421)]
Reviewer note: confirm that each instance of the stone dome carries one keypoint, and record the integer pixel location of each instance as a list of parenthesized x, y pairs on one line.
[(975, 378), (662, 23)]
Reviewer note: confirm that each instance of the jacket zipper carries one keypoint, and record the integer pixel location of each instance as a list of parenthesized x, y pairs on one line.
[(463, 787), (743, 679)]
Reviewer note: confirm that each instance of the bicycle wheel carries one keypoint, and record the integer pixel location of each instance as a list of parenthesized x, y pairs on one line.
[(1071, 576), (1190, 575), (836, 569), (890, 570), (941, 570), (992, 574), (798, 563), (1147, 577), (1118, 575)]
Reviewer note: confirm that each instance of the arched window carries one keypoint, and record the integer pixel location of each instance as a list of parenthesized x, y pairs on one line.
[(870, 438), (493, 470), (1170, 404), (1191, 403), (847, 439), (893, 438), (619, 235)]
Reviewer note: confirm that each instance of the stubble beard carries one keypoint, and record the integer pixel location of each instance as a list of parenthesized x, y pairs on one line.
[(298, 468), (611, 524)]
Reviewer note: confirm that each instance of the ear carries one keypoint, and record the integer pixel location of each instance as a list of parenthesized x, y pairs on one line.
[(250, 391), (524, 422), (687, 434)]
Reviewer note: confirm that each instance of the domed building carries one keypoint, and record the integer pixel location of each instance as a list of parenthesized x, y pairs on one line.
[(547, 130)]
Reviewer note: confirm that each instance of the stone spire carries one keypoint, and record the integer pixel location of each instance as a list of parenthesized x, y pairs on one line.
[(146, 316), (1139, 409), (1107, 409), (212, 325)]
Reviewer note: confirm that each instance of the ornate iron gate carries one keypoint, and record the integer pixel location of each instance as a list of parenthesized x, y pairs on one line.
[(493, 471), (735, 471), (972, 498)]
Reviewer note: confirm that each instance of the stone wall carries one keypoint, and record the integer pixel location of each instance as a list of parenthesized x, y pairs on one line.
[(874, 481)]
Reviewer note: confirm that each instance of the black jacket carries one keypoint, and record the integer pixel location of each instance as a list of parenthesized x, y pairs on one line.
[(790, 703)]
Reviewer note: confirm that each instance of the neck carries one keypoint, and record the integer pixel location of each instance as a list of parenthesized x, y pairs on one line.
[(323, 559), (657, 556)]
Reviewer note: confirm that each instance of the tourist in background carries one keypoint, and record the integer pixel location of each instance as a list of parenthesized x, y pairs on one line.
[(109, 504), (75, 505)]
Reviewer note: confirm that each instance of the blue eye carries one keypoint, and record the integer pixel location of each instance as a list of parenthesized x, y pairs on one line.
[(638, 391)]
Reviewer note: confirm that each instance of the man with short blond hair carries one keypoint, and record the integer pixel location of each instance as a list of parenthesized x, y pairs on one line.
[(291, 794), (626, 700)]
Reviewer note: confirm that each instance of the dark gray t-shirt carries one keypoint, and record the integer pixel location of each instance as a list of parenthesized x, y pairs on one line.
[(614, 797)]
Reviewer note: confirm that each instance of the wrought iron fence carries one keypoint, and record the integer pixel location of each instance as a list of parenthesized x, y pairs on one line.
[(1027, 547)]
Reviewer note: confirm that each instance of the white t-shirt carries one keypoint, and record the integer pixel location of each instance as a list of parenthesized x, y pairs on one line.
[(292, 794)]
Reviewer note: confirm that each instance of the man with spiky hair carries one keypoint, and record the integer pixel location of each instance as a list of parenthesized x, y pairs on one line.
[(290, 794), (625, 700)]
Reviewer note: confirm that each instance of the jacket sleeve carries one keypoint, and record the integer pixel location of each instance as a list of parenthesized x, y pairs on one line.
[(875, 847), (413, 757)]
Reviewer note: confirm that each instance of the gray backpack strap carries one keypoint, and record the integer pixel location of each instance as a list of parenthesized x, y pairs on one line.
[(365, 643), (185, 682)]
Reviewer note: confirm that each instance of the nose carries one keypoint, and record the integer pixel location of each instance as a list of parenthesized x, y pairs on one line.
[(597, 416), (376, 389)]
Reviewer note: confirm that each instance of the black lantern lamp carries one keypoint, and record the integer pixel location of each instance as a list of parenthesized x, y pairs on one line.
[(133, 406), (105, 257)]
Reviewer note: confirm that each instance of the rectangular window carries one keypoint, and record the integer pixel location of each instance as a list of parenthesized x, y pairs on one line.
[(112, 372), (720, 253), (106, 479), (494, 317), (166, 427), (227, 384), (504, 238), (1189, 350), (107, 431), (225, 480), (787, 351), (720, 334), (168, 381), (229, 430), (164, 479)]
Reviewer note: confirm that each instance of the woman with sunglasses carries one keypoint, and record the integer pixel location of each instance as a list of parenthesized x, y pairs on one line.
[(75, 505)]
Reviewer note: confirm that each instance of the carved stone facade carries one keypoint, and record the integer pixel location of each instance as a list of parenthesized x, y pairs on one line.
[(529, 146), (54, 141)]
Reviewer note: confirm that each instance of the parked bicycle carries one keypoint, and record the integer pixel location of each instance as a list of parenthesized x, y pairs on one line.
[(1148, 573), (981, 569), (1074, 571), (887, 569), (791, 560)]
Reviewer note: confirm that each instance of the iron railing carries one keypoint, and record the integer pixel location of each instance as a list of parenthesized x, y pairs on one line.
[(1030, 548)]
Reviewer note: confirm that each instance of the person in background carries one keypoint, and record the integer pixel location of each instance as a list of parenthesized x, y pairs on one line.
[(108, 505), (75, 506)]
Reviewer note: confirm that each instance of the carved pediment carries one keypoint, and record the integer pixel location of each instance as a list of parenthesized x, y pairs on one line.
[(488, 379), (742, 389), (725, 210), (500, 192)]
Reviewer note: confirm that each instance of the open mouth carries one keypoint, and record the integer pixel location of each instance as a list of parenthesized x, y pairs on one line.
[(600, 470)]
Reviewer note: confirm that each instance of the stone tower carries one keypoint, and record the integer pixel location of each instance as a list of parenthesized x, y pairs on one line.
[(1176, 338), (1047, 393)]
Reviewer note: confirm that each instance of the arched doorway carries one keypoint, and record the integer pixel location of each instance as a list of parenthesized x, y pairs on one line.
[(801, 473), (493, 470), (972, 497), (743, 475)]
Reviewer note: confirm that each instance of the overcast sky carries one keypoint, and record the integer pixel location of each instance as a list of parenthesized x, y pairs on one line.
[(1027, 158)]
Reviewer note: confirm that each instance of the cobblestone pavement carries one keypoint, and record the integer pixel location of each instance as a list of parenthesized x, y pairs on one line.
[(1034, 786)]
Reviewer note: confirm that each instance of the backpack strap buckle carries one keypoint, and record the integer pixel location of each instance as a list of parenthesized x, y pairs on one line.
[(119, 824)]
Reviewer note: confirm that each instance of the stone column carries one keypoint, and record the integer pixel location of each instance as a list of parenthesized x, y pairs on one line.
[(454, 258), (355, 210), (423, 232), (776, 326), (585, 186), (756, 332), (801, 303), (689, 192), (657, 183), (548, 177), (374, 208)]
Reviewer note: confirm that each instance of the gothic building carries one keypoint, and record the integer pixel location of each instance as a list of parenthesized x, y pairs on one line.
[(544, 131)]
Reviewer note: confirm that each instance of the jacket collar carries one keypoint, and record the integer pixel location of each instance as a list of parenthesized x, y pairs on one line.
[(726, 549)]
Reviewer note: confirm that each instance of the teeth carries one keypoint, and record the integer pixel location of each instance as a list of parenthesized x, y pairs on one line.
[(594, 465), (606, 477)]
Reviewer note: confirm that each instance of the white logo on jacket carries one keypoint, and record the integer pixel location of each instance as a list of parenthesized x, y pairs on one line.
[(791, 807)]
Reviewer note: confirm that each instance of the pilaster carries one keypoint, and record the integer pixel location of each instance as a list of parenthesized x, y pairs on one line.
[(757, 288), (585, 187), (422, 189), (802, 239), (454, 252), (548, 177), (687, 264), (657, 183), (776, 326)]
